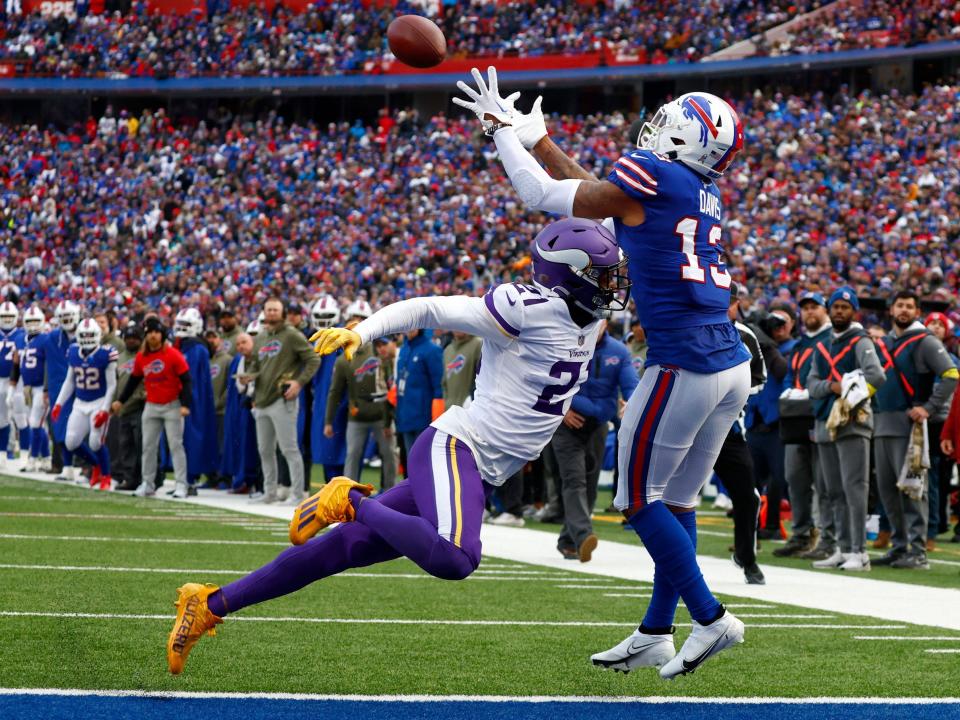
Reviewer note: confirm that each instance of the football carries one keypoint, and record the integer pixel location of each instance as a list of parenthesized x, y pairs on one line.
[(416, 41)]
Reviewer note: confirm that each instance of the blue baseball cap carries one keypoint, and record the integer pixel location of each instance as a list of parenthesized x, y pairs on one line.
[(847, 294), (814, 297)]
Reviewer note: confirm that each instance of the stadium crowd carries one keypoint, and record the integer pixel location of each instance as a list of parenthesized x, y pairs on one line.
[(332, 38), (877, 23), (135, 212)]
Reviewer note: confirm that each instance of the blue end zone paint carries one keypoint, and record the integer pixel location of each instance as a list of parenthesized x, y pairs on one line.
[(32, 707)]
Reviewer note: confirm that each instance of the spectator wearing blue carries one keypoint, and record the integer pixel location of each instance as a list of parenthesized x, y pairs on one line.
[(240, 461), (419, 386), (774, 332), (580, 440), (796, 433)]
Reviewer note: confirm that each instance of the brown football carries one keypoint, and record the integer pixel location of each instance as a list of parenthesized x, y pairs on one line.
[(416, 41)]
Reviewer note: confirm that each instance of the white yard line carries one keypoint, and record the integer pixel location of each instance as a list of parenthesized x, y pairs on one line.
[(884, 638), (423, 621), (941, 651), (153, 540), (829, 591), (528, 699)]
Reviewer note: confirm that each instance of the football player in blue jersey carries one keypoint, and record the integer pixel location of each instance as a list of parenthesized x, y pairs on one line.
[(93, 378), (667, 213), (11, 342), (32, 369)]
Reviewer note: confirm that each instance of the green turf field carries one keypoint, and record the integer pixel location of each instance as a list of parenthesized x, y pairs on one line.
[(522, 629)]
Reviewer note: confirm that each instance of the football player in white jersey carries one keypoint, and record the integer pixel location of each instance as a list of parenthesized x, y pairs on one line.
[(537, 342)]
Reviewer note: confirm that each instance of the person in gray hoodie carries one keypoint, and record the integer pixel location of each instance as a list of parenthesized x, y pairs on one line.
[(913, 359), (844, 454)]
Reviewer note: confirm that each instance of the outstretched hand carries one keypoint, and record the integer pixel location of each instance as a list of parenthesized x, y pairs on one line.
[(329, 340), (485, 102)]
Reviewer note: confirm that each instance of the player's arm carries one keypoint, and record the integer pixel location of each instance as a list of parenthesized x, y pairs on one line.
[(497, 317), (111, 380), (559, 163), (570, 197), (66, 390)]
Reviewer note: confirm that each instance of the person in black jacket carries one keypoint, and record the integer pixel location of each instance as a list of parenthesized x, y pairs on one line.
[(734, 465)]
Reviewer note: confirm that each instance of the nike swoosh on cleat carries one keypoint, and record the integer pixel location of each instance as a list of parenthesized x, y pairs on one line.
[(690, 666)]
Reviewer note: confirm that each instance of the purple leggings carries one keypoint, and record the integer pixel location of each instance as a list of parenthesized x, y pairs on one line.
[(433, 518)]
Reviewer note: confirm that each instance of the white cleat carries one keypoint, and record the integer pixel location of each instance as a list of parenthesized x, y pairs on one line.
[(180, 491), (638, 650), (505, 519), (144, 490), (704, 642), (834, 561), (856, 562)]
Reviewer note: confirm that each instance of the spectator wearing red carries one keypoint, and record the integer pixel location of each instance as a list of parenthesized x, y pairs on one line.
[(166, 379)]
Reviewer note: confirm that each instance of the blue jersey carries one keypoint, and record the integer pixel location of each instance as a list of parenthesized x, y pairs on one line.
[(10, 342), (90, 371), (33, 361), (680, 285)]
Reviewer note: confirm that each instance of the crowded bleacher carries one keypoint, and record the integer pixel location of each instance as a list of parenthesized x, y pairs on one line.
[(333, 38), (141, 210)]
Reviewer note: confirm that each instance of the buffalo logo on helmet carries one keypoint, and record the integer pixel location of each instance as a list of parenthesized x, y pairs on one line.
[(271, 349), (154, 367), (698, 109), (456, 365), (369, 365)]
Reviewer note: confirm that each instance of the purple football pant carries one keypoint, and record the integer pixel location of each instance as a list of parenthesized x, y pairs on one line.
[(433, 517)]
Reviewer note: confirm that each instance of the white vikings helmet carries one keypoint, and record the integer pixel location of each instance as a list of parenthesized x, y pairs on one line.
[(253, 329), (68, 315), (89, 335), (8, 316), (325, 312), (188, 323), (33, 320), (698, 129), (358, 308)]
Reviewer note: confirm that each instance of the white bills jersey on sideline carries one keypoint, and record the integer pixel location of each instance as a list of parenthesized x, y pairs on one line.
[(533, 360)]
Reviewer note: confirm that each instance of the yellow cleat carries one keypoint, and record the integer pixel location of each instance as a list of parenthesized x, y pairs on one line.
[(330, 505), (193, 620)]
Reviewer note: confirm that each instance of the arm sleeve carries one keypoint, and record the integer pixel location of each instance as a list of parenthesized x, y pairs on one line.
[(491, 317), (585, 406), (536, 188), (66, 390), (186, 389), (130, 387), (816, 386), (337, 386), (111, 373), (868, 361), (934, 357)]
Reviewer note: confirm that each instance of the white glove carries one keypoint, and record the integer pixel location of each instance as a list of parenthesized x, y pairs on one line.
[(530, 128), (485, 102)]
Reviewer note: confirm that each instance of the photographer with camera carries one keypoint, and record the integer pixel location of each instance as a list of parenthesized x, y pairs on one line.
[(282, 363), (774, 332)]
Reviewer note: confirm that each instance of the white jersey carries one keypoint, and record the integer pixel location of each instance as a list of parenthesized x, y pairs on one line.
[(533, 360)]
